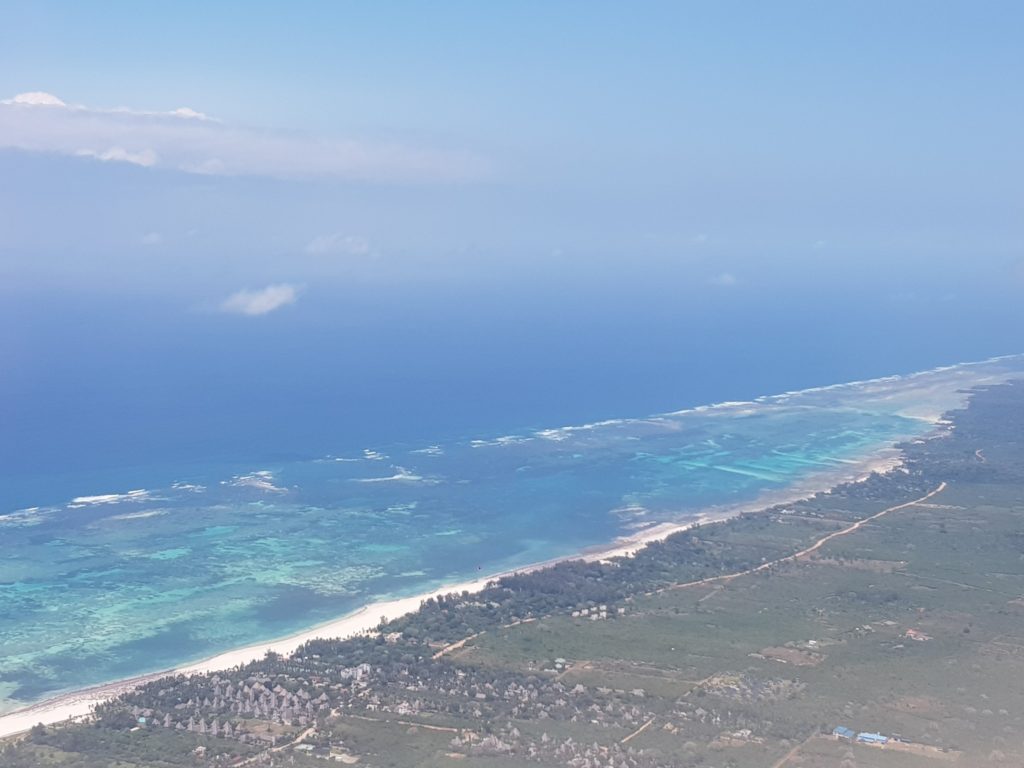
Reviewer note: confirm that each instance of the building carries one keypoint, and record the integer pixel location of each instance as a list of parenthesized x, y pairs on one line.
[(871, 738), (842, 732)]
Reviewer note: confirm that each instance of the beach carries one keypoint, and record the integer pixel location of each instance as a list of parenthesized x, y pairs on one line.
[(79, 704)]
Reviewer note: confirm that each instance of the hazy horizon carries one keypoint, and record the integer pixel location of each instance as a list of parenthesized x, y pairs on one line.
[(231, 232)]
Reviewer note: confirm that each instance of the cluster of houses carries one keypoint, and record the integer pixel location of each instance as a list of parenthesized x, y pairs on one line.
[(597, 612), (843, 733)]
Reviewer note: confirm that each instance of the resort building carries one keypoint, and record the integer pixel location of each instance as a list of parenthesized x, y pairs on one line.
[(872, 738)]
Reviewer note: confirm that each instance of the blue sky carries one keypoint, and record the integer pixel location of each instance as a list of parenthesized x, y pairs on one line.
[(877, 127), (645, 197)]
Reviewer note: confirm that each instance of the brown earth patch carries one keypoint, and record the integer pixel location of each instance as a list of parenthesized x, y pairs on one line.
[(793, 656), (861, 564), (924, 706), (923, 750)]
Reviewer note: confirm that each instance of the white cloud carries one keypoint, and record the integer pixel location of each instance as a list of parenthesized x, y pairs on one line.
[(44, 99), (186, 112), (351, 245), (146, 158), (152, 238), (725, 279), (37, 99), (262, 301), (187, 140)]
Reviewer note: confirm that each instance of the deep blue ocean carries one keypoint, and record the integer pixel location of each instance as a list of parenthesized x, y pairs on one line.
[(102, 390), (174, 483)]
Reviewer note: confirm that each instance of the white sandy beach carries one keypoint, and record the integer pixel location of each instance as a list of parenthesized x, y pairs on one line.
[(79, 704)]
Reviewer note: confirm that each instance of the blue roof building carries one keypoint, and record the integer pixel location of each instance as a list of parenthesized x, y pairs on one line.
[(842, 732), (872, 738)]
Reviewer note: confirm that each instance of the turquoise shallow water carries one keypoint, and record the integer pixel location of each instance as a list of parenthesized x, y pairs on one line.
[(122, 581)]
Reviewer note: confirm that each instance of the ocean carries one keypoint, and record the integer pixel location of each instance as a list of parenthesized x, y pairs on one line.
[(138, 568)]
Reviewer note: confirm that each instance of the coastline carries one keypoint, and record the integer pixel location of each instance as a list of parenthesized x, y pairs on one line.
[(78, 704)]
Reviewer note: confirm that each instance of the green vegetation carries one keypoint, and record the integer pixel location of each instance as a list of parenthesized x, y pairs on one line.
[(910, 625)]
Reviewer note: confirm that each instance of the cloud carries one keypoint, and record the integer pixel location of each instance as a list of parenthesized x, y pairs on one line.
[(44, 99), (189, 141), (189, 113), (260, 302), (351, 245), (145, 158), (36, 99), (151, 238), (725, 279)]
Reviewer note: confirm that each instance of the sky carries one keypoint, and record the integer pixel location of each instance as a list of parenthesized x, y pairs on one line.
[(548, 211)]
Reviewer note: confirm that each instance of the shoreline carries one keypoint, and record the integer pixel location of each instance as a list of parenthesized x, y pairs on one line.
[(75, 705)]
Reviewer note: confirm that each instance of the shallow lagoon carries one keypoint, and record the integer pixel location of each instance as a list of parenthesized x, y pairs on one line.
[(121, 581)]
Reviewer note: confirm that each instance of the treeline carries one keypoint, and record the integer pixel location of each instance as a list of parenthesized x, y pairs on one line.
[(100, 746)]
